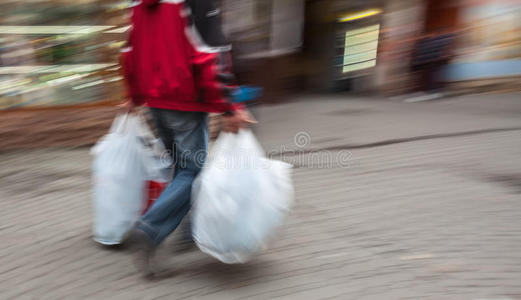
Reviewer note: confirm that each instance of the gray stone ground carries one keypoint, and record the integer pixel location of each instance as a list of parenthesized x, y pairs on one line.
[(428, 207)]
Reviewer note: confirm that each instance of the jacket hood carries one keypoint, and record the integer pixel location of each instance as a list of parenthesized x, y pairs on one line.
[(150, 2)]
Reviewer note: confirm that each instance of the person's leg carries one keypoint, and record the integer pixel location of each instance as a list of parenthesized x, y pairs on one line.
[(169, 209), (190, 138), (166, 136)]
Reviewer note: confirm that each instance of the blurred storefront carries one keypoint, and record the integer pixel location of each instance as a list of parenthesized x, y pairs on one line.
[(357, 39), (55, 53), (374, 42), (486, 48), (267, 37), (289, 46), (489, 48)]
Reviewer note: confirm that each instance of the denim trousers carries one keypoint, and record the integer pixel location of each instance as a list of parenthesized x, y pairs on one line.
[(185, 136)]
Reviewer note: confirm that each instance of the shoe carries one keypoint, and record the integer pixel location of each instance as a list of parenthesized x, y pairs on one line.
[(144, 252), (185, 242)]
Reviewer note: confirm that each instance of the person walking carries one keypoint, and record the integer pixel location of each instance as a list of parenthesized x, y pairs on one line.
[(169, 68), (430, 57)]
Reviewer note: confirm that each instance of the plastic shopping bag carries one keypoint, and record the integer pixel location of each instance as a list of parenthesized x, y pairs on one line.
[(240, 198), (124, 160)]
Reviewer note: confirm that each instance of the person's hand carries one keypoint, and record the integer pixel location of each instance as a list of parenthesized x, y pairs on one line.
[(240, 119), (128, 106)]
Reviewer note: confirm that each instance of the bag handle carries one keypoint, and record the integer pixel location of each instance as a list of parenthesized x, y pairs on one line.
[(119, 123), (144, 128), (122, 123)]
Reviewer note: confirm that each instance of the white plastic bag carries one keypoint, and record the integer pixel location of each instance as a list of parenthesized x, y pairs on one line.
[(240, 198), (123, 160)]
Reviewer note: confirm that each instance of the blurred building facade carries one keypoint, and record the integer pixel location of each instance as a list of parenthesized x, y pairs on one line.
[(367, 46), (55, 52)]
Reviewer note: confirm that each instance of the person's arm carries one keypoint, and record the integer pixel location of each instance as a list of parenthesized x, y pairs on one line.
[(131, 101), (215, 71), (127, 69), (205, 22)]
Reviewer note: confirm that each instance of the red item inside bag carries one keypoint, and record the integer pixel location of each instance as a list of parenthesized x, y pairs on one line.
[(154, 190)]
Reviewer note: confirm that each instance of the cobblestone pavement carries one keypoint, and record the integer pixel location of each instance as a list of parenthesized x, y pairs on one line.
[(428, 207)]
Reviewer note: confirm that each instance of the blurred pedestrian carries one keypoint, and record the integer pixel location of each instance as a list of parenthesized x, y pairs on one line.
[(430, 58), (180, 78)]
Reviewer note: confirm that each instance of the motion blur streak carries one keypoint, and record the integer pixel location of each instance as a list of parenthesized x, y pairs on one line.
[(402, 119)]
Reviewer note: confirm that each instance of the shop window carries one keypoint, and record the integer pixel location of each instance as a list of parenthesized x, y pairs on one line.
[(360, 49)]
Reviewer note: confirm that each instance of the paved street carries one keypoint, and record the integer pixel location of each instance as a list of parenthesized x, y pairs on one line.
[(394, 201)]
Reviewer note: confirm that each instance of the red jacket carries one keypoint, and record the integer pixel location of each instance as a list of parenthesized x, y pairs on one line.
[(165, 64)]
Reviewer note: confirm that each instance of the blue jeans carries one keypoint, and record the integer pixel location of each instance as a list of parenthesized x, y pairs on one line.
[(185, 135)]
